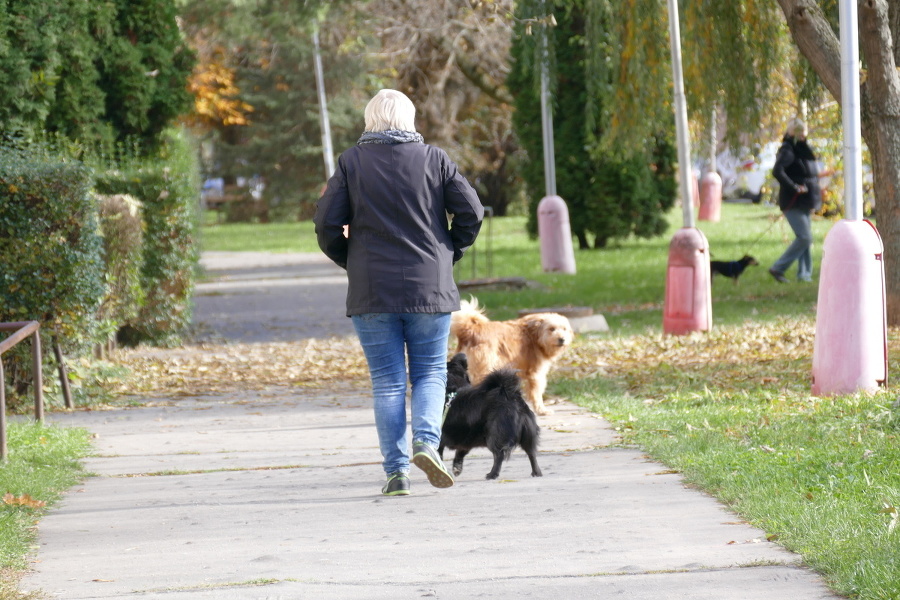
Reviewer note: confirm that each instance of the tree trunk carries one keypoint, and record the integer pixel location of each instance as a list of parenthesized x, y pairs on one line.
[(880, 110), (881, 119)]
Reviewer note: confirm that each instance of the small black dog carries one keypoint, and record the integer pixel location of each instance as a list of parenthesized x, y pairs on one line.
[(734, 268), (492, 414)]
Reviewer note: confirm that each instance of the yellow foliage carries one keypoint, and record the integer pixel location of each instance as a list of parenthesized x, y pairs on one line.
[(216, 96)]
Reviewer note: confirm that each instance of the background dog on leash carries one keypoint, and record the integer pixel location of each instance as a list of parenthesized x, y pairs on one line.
[(529, 344), (734, 268), (492, 414)]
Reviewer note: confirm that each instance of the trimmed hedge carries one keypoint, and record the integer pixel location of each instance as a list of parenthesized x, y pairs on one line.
[(51, 267), (123, 245), (168, 189)]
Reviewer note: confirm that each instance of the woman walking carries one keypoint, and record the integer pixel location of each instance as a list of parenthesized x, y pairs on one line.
[(797, 171), (394, 193)]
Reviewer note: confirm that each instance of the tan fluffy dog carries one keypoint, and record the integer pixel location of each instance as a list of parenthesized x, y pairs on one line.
[(529, 344)]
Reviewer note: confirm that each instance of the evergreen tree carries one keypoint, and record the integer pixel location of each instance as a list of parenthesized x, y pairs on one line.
[(144, 69), (610, 193), (95, 72)]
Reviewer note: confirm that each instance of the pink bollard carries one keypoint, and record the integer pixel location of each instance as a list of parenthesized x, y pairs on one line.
[(850, 351), (688, 304), (710, 197), (556, 236)]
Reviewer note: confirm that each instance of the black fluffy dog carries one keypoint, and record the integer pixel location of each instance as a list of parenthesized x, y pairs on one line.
[(492, 414), (733, 268)]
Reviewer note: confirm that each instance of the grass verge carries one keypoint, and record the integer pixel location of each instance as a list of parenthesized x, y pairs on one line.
[(43, 463)]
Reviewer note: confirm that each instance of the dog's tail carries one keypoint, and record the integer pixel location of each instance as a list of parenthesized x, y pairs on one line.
[(471, 305), (464, 322)]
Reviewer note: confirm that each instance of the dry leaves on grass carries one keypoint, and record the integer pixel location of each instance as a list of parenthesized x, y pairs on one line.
[(216, 368), (745, 351)]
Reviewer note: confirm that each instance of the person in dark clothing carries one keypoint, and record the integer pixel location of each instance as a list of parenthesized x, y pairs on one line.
[(384, 218), (799, 196)]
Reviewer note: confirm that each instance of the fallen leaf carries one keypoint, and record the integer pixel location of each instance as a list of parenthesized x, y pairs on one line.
[(23, 500)]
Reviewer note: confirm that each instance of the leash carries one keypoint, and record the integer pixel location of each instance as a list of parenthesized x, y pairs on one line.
[(450, 397), (774, 221)]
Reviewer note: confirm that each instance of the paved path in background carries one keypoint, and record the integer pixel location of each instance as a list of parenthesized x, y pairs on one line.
[(275, 495), (260, 297)]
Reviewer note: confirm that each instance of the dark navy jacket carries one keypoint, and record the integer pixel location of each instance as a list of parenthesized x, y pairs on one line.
[(402, 246), (795, 164)]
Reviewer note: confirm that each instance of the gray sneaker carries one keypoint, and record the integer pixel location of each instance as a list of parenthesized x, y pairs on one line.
[(397, 485), (426, 458)]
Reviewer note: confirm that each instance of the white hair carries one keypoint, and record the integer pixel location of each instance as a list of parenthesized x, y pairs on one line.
[(796, 127), (390, 109)]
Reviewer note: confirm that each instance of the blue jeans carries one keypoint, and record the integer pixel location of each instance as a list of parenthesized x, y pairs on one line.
[(386, 339), (801, 248)]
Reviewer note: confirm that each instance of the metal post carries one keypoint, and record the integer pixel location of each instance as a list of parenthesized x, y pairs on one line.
[(547, 129), (850, 354), (681, 120), (37, 367), (547, 112), (688, 301), (327, 151), (2, 414), (20, 331), (489, 213), (554, 229), (63, 374), (850, 105)]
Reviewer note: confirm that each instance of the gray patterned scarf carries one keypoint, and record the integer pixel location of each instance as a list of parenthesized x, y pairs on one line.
[(390, 136)]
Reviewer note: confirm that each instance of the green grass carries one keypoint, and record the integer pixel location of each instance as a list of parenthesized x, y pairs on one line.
[(625, 282), (251, 237), (43, 463)]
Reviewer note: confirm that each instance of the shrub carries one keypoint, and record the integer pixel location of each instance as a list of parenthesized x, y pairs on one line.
[(168, 189), (123, 238), (51, 268)]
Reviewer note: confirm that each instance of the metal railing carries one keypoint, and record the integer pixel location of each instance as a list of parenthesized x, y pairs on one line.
[(472, 256), (21, 330)]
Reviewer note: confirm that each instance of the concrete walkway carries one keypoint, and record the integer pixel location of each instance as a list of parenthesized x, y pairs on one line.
[(277, 495)]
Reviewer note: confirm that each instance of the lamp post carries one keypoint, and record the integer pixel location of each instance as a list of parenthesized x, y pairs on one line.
[(327, 151), (688, 303), (554, 230)]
